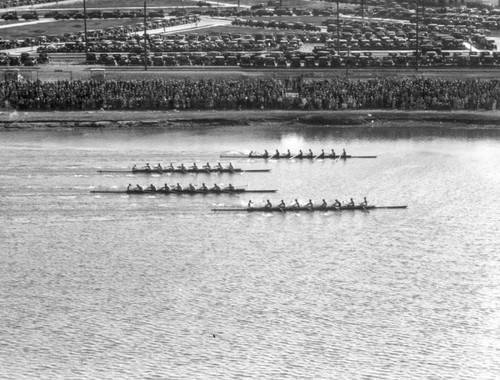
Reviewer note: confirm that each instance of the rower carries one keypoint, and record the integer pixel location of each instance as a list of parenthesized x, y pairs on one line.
[(351, 203), (310, 204), (181, 167), (322, 154), (249, 204), (178, 187), (204, 187), (158, 167), (250, 154), (296, 204), (337, 203), (282, 204), (230, 188), (364, 203), (216, 187), (277, 154), (191, 187), (219, 166), (344, 154), (129, 186), (152, 187), (266, 153), (138, 187), (288, 154), (147, 167), (165, 188), (231, 167), (324, 204), (333, 153), (194, 167), (310, 154), (134, 168), (207, 166), (300, 155), (171, 167), (268, 204)]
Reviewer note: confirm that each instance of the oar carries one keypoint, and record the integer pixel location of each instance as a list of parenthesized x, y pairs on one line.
[(365, 209)]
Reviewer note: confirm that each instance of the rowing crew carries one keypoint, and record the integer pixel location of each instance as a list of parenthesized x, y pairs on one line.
[(178, 187), (310, 205), (301, 154), (183, 168)]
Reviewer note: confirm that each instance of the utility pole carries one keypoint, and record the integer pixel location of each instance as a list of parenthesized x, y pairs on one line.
[(85, 30), (338, 28), (145, 39), (417, 53)]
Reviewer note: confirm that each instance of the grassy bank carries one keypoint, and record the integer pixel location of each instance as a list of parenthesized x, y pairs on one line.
[(365, 118)]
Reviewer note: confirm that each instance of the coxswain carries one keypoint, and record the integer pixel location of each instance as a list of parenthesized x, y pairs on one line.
[(159, 167), (230, 188), (134, 168), (147, 167), (296, 204), (204, 187), (207, 166), (266, 153), (282, 204), (288, 154), (249, 204), (351, 203), (268, 204), (344, 154), (300, 155), (324, 204), (178, 187), (128, 187), (337, 203), (310, 204), (216, 187), (138, 187), (194, 167), (191, 187), (152, 187), (310, 154), (181, 167), (364, 203)]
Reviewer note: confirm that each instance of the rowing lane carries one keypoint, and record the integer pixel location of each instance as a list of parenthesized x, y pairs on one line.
[(120, 286)]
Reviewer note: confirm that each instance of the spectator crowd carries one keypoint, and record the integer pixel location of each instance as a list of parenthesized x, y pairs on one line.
[(412, 93)]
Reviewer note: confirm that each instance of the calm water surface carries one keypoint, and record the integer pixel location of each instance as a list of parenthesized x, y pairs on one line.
[(160, 287)]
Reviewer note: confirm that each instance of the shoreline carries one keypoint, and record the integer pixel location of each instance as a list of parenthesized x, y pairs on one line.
[(164, 119)]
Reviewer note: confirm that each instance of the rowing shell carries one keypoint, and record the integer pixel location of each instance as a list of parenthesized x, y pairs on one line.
[(309, 209), (186, 171), (289, 157), (183, 191)]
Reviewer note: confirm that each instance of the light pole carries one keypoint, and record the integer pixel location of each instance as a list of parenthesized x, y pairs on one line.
[(85, 30)]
